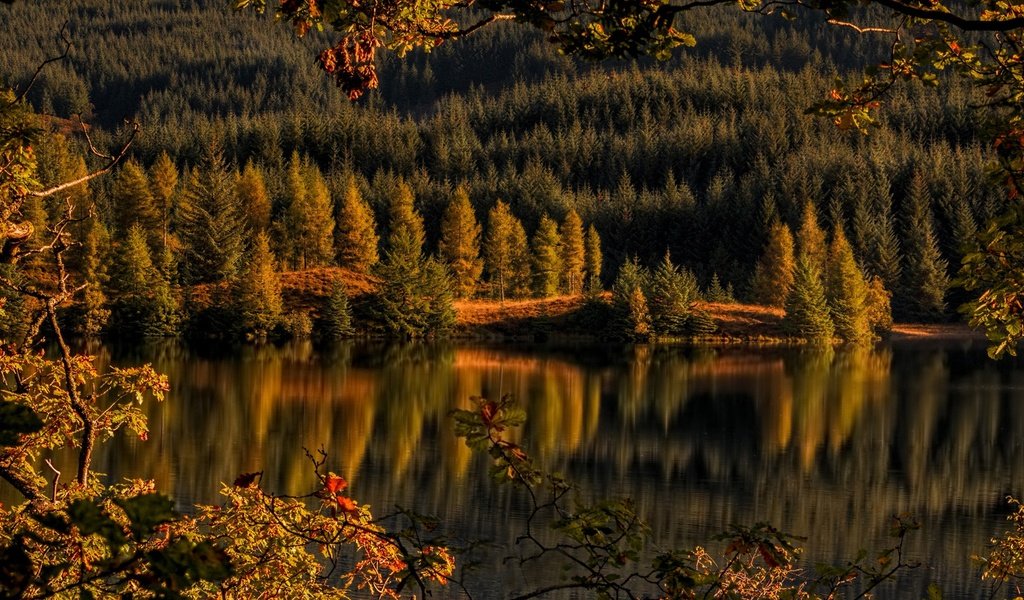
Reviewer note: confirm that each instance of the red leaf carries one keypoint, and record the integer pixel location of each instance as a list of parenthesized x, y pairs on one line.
[(347, 504), (334, 484)]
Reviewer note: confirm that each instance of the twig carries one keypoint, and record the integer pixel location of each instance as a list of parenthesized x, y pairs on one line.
[(56, 478)]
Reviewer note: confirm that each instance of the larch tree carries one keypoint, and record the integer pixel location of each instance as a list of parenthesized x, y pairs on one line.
[(506, 255), (574, 253), (810, 238), (846, 291), (133, 204), (773, 275), (253, 198), (311, 219), (459, 245), (355, 238), (594, 261), (879, 306), (163, 179), (210, 225), (547, 258)]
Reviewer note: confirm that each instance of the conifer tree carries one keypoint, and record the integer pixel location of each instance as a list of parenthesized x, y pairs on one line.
[(312, 219), (403, 219), (883, 256), (924, 279), (574, 254), (336, 315), (356, 236), (253, 198), (256, 291), (631, 275), (638, 318), (593, 261), (93, 314), (141, 302), (210, 222), (459, 246), (773, 275), (133, 203), (878, 302), (810, 239), (547, 258), (163, 178), (717, 293), (846, 291), (505, 253), (807, 314), (671, 297)]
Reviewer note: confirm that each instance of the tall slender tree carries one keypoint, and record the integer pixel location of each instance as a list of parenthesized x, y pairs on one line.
[(163, 179), (594, 259), (810, 238), (547, 258), (256, 291), (134, 204), (459, 246), (574, 253), (356, 235), (773, 275), (506, 255), (253, 198), (141, 302), (846, 291), (807, 314), (922, 294)]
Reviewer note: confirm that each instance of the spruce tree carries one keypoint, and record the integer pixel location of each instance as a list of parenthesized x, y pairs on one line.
[(574, 254), (403, 219), (141, 302), (671, 297), (807, 314), (253, 198), (773, 275), (459, 246), (256, 291), (846, 291), (593, 261), (356, 235), (547, 258), (631, 275), (336, 315), (211, 226), (924, 281)]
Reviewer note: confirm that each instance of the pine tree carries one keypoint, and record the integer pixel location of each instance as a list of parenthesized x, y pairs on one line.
[(773, 275), (336, 315), (810, 239), (253, 198), (574, 254), (210, 222), (459, 246), (924, 279), (256, 292), (163, 178), (141, 302), (547, 258), (356, 236), (593, 261), (807, 313), (846, 291)]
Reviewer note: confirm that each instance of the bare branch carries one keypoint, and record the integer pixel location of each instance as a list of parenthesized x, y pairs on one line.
[(860, 29), (67, 49), (112, 160)]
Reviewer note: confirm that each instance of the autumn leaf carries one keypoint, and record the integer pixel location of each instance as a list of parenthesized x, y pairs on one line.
[(347, 505), (335, 484), (246, 479)]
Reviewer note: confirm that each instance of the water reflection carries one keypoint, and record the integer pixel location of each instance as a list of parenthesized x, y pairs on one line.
[(824, 444)]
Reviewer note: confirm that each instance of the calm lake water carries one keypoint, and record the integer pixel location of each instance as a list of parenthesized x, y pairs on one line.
[(827, 445)]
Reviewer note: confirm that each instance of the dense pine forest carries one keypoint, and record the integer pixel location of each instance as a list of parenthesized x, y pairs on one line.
[(493, 168)]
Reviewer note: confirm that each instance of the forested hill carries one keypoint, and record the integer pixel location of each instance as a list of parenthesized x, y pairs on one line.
[(697, 156)]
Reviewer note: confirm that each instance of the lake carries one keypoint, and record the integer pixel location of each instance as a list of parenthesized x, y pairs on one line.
[(827, 445)]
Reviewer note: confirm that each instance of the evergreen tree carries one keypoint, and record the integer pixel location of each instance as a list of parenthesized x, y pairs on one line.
[(773, 275), (403, 219), (256, 292), (547, 258), (716, 293), (521, 273), (924, 280), (593, 261), (141, 302), (671, 297), (210, 222), (163, 178), (310, 216), (253, 198), (638, 318), (807, 314), (883, 256), (356, 236), (459, 246), (810, 239), (336, 315), (92, 313), (574, 254), (846, 291), (631, 275)]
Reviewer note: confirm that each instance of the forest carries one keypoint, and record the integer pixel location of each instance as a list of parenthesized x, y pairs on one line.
[(247, 155)]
